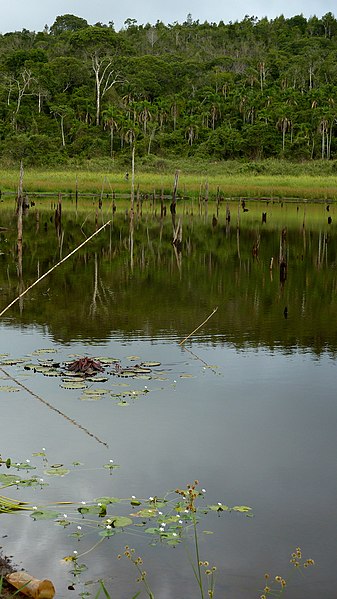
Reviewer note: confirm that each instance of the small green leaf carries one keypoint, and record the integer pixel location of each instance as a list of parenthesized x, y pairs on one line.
[(44, 515), (107, 500), (57, 471), (120, 521), (241, 508)]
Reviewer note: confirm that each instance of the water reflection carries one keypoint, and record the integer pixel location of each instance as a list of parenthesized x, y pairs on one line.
[(253, 420)]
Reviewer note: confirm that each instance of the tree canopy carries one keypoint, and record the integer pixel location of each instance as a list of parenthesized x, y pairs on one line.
[(250, 89)]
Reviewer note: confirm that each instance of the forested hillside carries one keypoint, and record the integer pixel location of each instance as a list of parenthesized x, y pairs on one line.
[(249, 90)]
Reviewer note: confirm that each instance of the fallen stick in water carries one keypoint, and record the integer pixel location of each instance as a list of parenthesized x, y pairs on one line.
[(197, 329), (53, 268)]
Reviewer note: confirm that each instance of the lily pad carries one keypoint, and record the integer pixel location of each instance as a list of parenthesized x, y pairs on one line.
[(57, 471), (100, 510), (151, 364), (9, 388), (51, 372), (73, 385), (241, 508), (12, 362), (146, 513), (107, 361), (120, 521), (44, 515), (107, 500), (8, 479), (90, 397)]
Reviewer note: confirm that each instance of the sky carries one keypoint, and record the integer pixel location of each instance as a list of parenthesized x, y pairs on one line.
[(16, 15)]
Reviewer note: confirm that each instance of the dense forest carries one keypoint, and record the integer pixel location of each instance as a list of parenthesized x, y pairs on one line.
[(245, 90)]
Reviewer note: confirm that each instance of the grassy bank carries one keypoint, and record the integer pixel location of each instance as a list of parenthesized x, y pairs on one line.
[(272, 179)]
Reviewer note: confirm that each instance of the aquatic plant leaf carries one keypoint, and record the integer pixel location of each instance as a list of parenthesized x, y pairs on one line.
[(127, 373), (186, 376), (73, 385), (95, 391), (106, 360), (123, 404), (51, 372), (111, 466), (120, 521), (93, 509), (90, 397), (145, 513), (12, 362), (8, 479), (97, 379), (107, 532), (44, 515), (152, 531), (107, 500), (219, 507), (151, 364), (241, 508), (133, 358), (57, 471), (9, 388), (49, 350), (24, 466)]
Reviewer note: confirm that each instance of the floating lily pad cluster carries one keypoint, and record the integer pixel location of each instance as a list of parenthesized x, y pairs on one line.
[(80, 372)]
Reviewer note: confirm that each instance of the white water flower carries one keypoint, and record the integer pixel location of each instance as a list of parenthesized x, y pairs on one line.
[(65, 516), (75, 552), (108, 526), (150, 498), (180, 522), (219, 503), (133, 496), (41, 480), (111, 461), (174, 534), (160, 513), (83, 502), (203, 490), (34, 507), (79, 528), (28, 461), (162, 529)]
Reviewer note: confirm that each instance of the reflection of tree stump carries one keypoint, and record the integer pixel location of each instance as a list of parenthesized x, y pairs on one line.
[(283, 271), (256, 247), (264, 217), (329, 220)]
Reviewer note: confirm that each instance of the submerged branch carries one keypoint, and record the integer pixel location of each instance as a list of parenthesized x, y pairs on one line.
[(46, 403)]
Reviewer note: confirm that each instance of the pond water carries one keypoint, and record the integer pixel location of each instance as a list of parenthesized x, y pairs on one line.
[(247, 405)]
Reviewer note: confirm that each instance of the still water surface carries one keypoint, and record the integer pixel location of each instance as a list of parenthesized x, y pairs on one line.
[(248, 407)]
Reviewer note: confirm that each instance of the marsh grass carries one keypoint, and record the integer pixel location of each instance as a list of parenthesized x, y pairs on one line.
[(272, 179)]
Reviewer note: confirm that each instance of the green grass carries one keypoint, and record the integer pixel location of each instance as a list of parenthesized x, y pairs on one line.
[(272, 179)]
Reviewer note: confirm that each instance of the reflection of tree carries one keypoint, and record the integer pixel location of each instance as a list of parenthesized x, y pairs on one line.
[(219, 269)]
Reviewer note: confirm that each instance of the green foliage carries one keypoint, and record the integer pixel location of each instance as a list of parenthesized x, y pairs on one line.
[(252, 90)]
